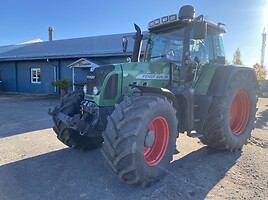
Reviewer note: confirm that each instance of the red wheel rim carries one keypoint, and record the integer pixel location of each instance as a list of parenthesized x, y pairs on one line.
[(239, 113), (154, 154)]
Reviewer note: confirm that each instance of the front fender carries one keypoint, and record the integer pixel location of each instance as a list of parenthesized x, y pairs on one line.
[(160, 91)]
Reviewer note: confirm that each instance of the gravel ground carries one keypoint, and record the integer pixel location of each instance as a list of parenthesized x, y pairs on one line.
[(35, 165)]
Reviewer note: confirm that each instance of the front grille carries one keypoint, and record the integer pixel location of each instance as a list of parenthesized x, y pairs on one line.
[(111, 89), (96, 76)]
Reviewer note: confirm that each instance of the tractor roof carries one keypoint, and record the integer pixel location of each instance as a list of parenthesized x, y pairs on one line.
[(186, 13), (172, 21)]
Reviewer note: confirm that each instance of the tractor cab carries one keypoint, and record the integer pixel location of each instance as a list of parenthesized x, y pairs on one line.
[(169, 34), (186, 41)]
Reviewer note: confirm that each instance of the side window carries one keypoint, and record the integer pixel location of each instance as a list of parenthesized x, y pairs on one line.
[(201, 51), (0, 75), (219, 44), (209, 45), (35, 75), (207, 50)]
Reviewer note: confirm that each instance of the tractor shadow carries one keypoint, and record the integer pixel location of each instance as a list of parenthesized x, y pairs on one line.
[(197, 173), (262, 119), (69, 174)]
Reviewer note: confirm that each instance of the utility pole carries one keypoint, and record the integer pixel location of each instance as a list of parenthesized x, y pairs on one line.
[(263, 47)]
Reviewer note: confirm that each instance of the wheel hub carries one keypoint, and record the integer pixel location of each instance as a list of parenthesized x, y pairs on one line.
[(149, 139)]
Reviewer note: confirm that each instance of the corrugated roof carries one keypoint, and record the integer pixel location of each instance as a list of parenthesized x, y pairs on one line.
[(107, 45), (8, 48)]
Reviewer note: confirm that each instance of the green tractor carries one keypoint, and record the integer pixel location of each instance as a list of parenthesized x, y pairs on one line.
[(136, 110)]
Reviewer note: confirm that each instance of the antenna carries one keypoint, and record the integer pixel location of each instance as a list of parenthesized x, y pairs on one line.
[(263, 47)]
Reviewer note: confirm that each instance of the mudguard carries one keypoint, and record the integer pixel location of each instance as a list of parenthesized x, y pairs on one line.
[(214, 80), (222, 77), (160, 91)]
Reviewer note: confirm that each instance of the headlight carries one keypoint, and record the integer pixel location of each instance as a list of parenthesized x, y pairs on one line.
[(85, 89), (95, 90)]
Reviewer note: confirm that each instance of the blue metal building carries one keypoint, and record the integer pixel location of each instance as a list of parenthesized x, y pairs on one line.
[(30, 68)]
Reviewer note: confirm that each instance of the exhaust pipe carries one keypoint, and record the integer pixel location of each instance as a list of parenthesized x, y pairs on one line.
[(137, 45)]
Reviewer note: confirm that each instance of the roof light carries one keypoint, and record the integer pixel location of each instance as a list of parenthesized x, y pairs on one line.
[(172, 17), (151, 24), (157, 21), (165, 19)]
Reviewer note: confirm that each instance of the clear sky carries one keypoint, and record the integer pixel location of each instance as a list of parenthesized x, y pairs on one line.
[(23, 20)]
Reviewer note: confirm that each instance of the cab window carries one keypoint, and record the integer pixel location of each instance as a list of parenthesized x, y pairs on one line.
[(202, 50)]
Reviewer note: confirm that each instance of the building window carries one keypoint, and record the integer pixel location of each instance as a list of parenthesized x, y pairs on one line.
[(35, 75)]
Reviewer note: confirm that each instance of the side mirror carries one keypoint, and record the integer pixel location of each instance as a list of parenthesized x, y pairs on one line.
[(124, 43), (199, 30)]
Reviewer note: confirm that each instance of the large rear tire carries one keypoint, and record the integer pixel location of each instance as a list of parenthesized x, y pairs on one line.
[(140, 138), (70, 105), (230, 118)]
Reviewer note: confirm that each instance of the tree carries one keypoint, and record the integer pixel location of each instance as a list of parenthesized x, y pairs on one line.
[(260, 71), (237, 58)]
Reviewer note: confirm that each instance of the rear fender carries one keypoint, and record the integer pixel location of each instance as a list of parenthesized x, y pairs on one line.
[(214, 81), (222, 77)]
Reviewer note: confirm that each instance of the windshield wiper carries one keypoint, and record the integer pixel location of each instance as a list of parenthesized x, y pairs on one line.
[(159, 56)]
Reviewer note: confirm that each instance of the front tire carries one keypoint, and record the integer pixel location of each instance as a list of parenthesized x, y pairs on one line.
[(140, 138), (230, 118)]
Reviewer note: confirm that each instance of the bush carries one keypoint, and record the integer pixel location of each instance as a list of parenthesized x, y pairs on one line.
[(64, 83)]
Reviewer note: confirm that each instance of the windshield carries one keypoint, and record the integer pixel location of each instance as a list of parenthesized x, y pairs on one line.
[(165, 46)]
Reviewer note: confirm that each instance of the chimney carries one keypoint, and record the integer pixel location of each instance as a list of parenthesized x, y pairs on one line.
[(50, 33)]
